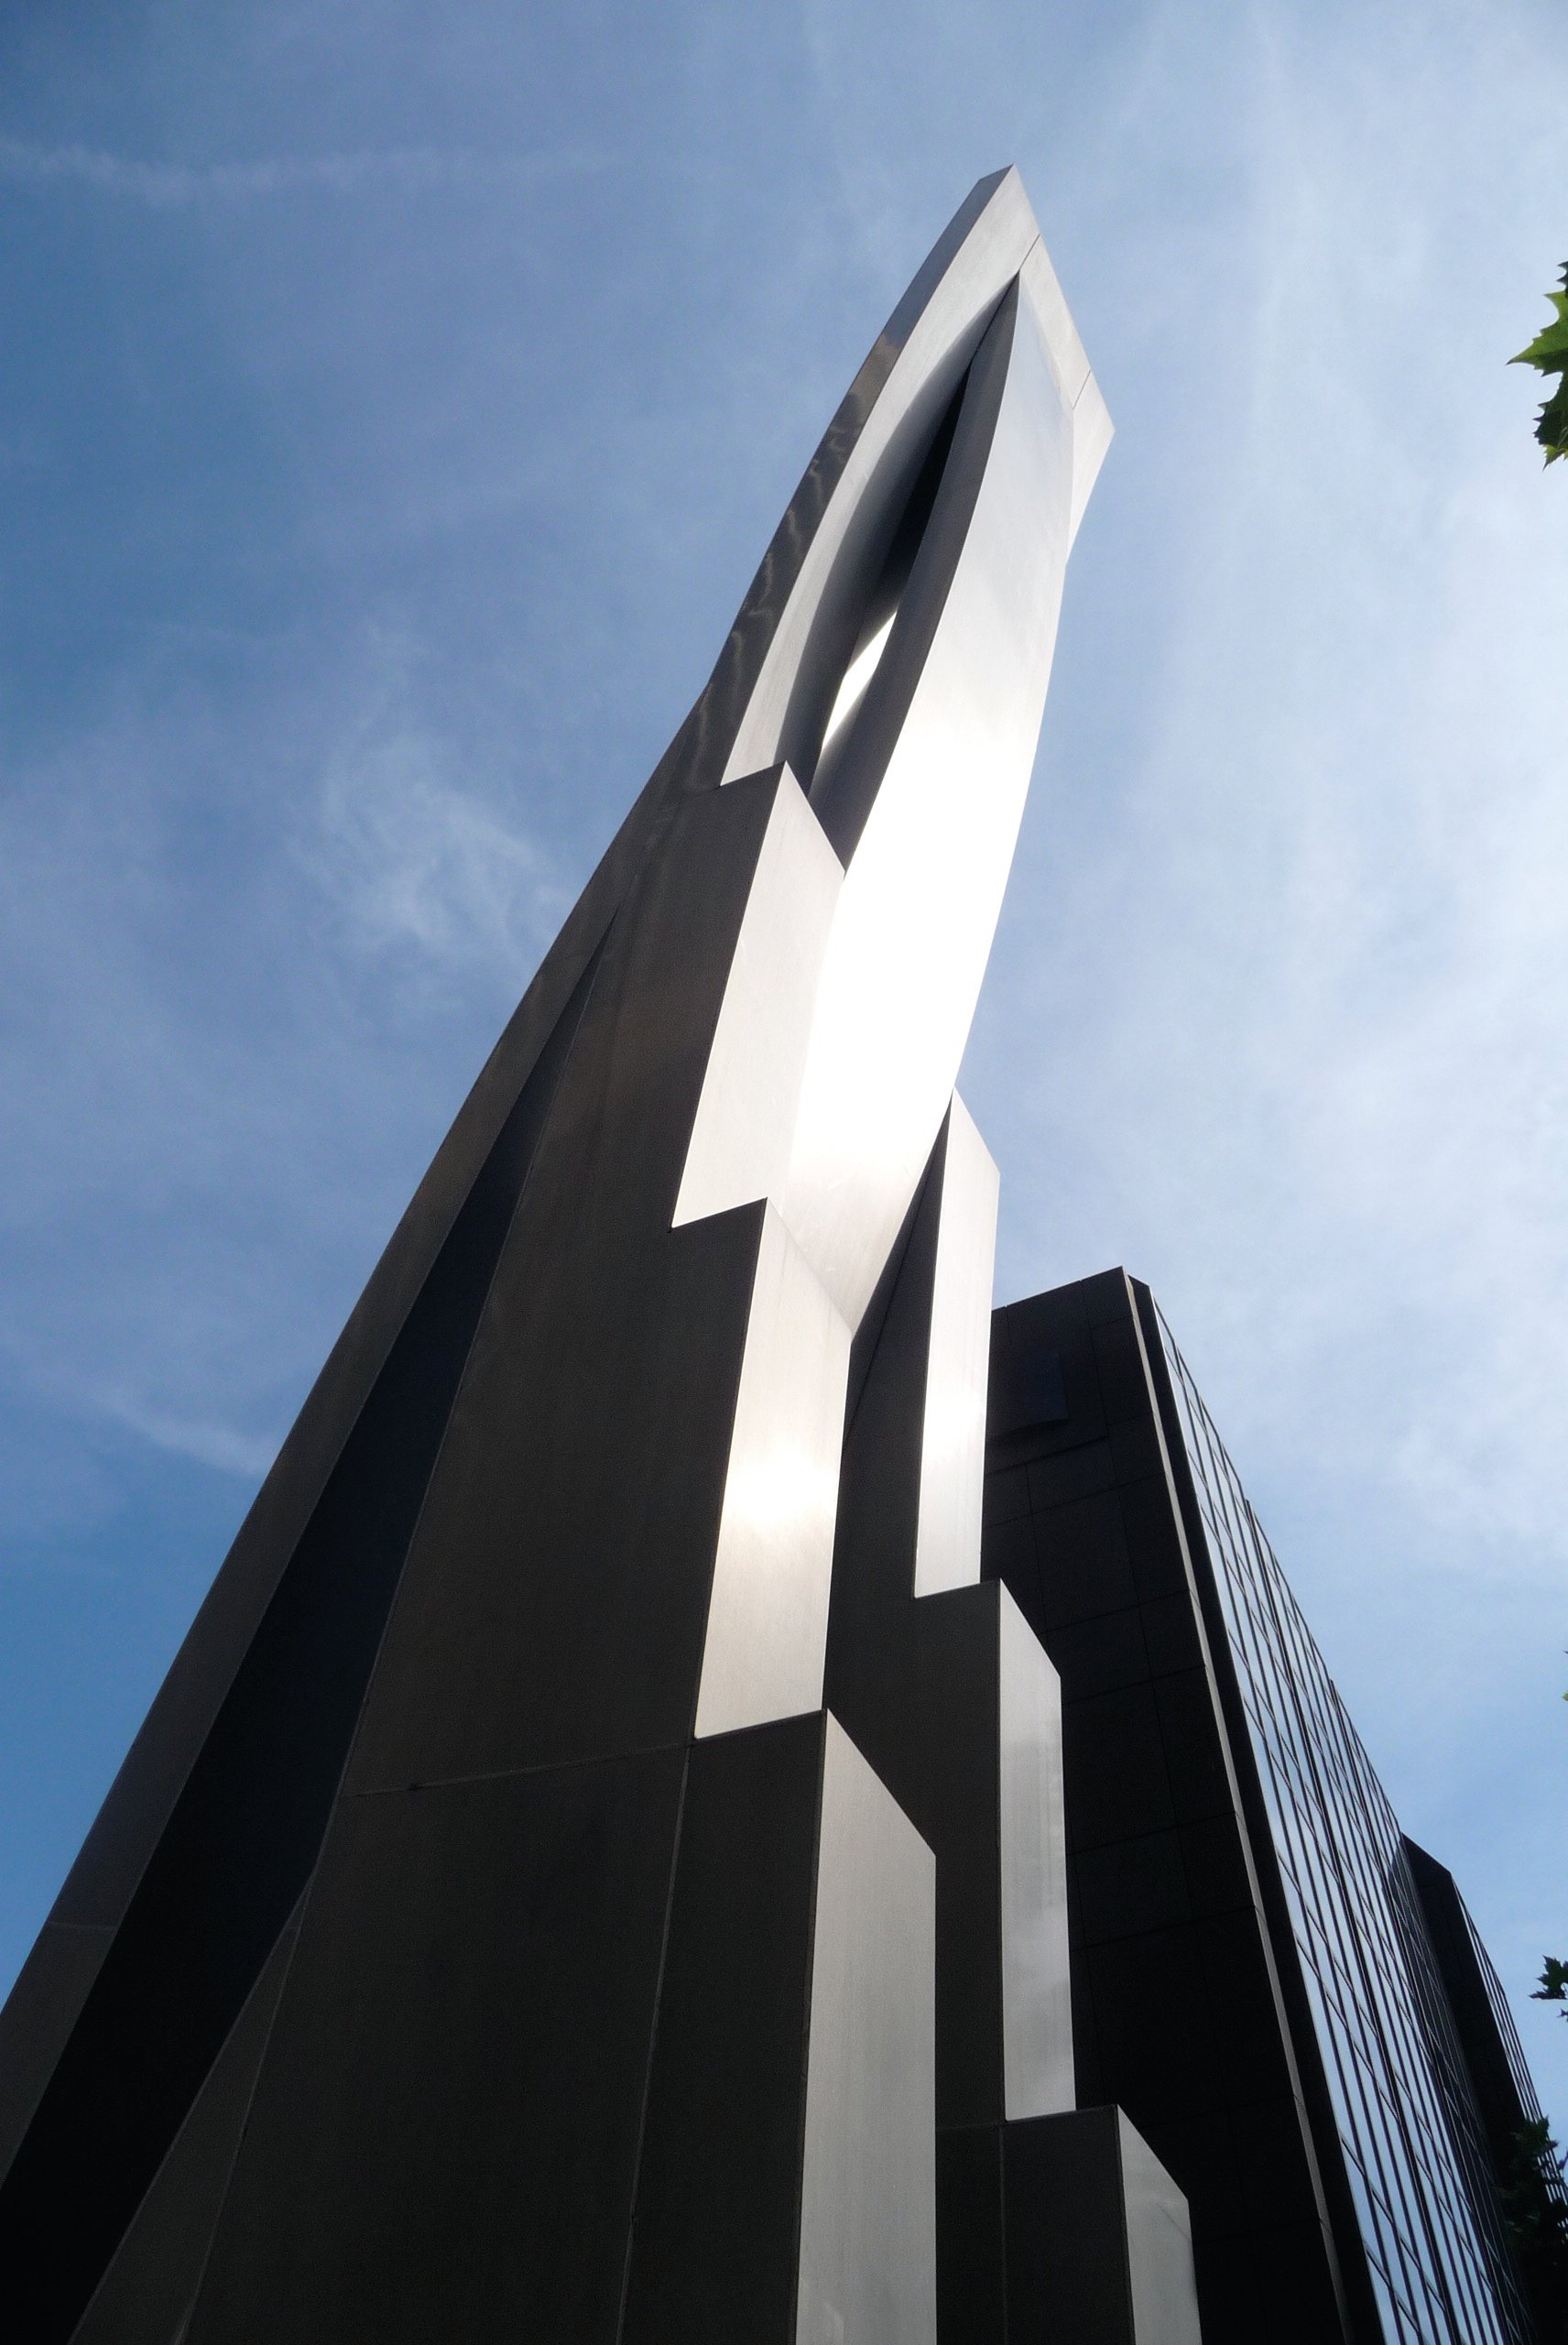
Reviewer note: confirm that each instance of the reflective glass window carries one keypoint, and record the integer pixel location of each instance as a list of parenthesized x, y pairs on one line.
[(1408, 2125)]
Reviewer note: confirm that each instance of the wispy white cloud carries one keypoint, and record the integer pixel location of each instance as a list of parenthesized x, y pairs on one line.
[(170, 1168), (1302, 991), (411, 170), (208, 1442), (414, 863)]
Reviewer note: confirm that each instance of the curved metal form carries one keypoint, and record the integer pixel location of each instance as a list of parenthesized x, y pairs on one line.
[(599, 1837), (905, 681)]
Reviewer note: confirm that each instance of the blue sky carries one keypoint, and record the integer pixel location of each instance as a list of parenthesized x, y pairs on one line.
[(394, 404)]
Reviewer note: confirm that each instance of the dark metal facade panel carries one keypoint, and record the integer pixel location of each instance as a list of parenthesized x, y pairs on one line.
[(971, 2256), (717, 2215), (1098, 2249), (1131, 1886), (551, 1609), (1116, 1761), (444, 2136), (1067, 2257), (44, 2006), (1065, 2228), (554, 1606), (149, 2287), (1176, 2011), (1085, 1564)]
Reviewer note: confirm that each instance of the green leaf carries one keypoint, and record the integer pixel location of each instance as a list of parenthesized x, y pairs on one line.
[(1548, 354), (1553, 1987), (1552, 424), (1549, 351)]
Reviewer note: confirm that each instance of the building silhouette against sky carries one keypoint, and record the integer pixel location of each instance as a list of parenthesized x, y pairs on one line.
[(606, 1863)]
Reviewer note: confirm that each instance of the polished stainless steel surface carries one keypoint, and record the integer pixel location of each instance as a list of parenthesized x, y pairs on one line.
[(909, 686), (799, 676), (746, 1120), (953, 1451), (934, 722), (1037, 2003), (1160, 2248), (868, 2268), (912, 932), (851, 537), (1090, 419), (767, 1615)]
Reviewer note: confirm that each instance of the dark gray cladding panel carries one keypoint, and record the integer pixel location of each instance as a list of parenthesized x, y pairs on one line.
[(971, 2264), (45, 2005), (916, 1689), (555, 1603), (1066, 2235), (1064, 2229), (554, 1600), (149, 2287), (239, 1846), (444, 2134), (718, 2195)]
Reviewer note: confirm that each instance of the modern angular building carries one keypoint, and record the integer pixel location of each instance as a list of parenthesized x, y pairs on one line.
[(611, 1862), (1285, 1995)]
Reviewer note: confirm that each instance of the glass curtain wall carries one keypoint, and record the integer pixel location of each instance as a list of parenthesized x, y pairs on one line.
[(1408, 2123)]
